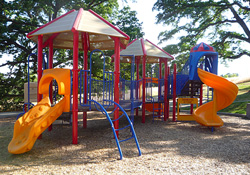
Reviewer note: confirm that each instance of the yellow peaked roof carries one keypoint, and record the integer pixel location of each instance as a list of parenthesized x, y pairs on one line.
[(141, 47), (100, 32)]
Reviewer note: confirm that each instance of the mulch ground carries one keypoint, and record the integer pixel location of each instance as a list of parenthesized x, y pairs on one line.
[(167, 148)]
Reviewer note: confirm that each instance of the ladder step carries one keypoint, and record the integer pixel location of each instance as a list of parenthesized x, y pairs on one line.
[(123, 128), (118, 117), (126, 139)]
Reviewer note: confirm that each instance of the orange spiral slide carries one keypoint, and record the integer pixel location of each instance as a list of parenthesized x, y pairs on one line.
[(29, 127), (225, 93)]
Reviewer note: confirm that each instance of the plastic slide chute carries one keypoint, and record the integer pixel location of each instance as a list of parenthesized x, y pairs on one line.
[(29, 127), (225, 93)]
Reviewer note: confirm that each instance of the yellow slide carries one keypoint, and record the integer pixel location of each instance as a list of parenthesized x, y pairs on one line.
[(225, 93), (28, 127)]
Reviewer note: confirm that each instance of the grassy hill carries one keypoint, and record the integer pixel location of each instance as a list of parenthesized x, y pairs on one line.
[(240, 104)]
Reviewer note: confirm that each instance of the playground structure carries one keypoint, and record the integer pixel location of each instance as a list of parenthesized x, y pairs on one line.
[(75, 30), (145, 52), (100, 35), (225, 92)]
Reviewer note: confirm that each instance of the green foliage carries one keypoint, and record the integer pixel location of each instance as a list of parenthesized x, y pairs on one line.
[(18, 17), (195, 20), (127, 21), (240, 104), (230, 75)]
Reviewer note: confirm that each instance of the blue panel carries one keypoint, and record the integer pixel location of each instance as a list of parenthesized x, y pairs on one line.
[(181, 80), (194, 60)]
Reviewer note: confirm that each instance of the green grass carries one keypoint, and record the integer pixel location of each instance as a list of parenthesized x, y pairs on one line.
[(240, 104)]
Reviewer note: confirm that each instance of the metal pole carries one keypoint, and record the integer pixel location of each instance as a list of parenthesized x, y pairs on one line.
[(85, 47), (116, 82), (174, 92), (51, 53), (75, 88), (143, 88)]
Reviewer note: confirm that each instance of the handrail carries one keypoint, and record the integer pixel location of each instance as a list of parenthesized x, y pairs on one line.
[(103, 110)]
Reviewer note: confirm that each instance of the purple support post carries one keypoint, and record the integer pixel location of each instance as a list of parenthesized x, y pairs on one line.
[(85, 47), (166, 101), (137, 81), (159, 87), (51, 53), (174, 93), (143, 88)]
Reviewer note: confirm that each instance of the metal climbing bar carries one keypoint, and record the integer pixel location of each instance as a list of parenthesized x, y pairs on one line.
[(103, 110), (108, 87), (82, 88), (118, 118), (126, 139), (121, 128)]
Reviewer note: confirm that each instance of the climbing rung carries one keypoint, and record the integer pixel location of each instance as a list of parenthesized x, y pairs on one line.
[(157, 115), (118, 118), (157, 109), (115, 131), (113, 110), (122, 128), (126, 139)]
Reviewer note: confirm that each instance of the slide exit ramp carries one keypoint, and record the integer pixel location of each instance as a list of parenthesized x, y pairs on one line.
[(29, 127), (225, 93)]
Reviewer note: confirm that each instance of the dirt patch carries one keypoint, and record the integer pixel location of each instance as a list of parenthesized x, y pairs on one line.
[(167, 148)]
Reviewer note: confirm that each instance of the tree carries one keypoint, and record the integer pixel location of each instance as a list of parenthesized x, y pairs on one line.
[(19, 17), (225, 23), (127, 21)]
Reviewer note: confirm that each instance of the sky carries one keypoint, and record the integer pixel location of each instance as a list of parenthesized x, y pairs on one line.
[(152, 30)]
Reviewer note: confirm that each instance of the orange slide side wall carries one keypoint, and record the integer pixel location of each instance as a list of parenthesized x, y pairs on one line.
[(29, 127), (225, 93)]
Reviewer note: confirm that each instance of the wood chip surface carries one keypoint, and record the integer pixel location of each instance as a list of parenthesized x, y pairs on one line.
[(167, 148)]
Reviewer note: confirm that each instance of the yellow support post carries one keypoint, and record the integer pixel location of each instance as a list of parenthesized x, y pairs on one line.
[(186, 101)]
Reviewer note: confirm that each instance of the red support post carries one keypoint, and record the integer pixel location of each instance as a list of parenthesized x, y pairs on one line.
[(166, 101), (25, 108), (143, 88), (75, 88), (201, 94), (174, 92), (39, 65), (51, 53), (116, 81), (85, 47), (39, 68)]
